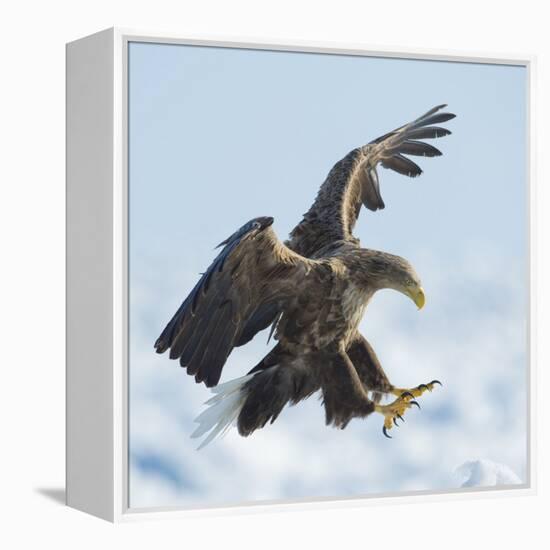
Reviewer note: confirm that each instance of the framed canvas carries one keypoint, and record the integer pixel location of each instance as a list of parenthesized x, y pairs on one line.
[(323, 384)]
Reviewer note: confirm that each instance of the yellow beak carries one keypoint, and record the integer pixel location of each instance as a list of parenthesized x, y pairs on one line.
[(419, 298)]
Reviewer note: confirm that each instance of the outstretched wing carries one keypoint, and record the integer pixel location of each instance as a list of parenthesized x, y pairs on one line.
[(249, 280), (353, 181)]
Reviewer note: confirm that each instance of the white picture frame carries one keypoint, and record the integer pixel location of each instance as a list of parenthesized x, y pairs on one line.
[(97, 270)]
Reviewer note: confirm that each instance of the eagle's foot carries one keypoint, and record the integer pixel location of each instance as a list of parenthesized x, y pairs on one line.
[(395, 410), (415, 392)]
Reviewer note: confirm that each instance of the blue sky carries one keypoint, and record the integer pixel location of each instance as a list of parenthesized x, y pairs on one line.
[(218, 136)]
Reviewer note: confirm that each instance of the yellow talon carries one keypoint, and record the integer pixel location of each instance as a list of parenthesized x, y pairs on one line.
[(405, 400), (415, 392), (393, 411)]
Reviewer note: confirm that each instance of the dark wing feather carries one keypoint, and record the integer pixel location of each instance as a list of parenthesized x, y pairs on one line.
[(370, 188), (434, 119), (258, 321), (353, 182), (430, 132), (419, 149), (402, 165), (250, 279)]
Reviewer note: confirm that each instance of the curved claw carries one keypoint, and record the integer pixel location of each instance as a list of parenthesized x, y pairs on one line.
[(385, 432), (400, 418), (407, 394), (435, 382), (413, 402), (395, 422)]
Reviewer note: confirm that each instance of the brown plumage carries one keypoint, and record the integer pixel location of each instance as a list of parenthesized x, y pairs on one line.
[(312, 290)]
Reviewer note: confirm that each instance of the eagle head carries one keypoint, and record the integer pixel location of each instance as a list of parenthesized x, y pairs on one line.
[(383, 270)]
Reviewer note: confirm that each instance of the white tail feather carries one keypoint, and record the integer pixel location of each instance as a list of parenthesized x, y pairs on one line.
[(223, 410)]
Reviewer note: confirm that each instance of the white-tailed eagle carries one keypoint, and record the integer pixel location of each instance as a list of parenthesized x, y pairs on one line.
[(312, 290)]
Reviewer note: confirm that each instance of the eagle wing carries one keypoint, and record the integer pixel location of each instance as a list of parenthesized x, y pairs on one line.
[(247, 283), (353, 182)]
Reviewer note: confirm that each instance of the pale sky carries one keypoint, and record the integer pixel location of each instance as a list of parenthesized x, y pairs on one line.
[(219, 136)]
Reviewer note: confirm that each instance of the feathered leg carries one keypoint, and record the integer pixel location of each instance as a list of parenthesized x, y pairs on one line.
[(368, 367), (344, 396), (374, 378)]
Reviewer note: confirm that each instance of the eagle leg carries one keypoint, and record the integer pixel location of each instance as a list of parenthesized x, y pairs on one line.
[(395, 410)]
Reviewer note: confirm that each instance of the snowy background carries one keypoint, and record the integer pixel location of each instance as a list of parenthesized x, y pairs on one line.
[(218, 136)]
